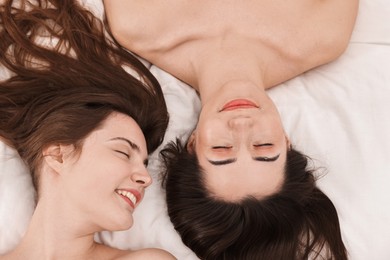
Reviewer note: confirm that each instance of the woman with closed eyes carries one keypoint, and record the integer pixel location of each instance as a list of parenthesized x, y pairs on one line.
[(83, 126), (237, 189)]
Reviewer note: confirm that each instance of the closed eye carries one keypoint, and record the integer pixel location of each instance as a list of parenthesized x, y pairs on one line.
[(262, 145), (221, 147), (125, 154)]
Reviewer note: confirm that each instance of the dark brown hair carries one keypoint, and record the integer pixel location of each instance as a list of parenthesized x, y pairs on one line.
[(60, 93), (297, 222)]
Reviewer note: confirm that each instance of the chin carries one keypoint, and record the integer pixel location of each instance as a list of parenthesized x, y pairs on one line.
[(120, 224), (126, 225)]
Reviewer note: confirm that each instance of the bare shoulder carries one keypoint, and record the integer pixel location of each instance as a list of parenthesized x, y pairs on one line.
[(135, 20), (148, 253), (339, 17), (316, 32), (331, 23)]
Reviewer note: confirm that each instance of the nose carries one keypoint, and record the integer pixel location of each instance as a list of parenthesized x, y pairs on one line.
[(141, 176), (241, 123)]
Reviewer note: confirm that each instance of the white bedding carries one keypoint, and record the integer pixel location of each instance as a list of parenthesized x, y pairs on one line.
[(338, 114)]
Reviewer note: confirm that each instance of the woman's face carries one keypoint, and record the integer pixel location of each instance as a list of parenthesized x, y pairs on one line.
[(240, 144), (106, 182)]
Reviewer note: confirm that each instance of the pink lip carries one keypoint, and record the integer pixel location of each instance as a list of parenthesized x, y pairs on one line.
[(136, 194), (238, 104)]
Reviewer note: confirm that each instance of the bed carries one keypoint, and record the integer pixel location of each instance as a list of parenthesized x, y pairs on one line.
[(338, 114)]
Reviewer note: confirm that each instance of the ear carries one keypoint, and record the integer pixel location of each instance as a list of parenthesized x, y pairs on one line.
[(191, 143), (54, 156)]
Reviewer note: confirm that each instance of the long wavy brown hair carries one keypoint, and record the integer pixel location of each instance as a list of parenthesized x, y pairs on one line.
[(67, 76)]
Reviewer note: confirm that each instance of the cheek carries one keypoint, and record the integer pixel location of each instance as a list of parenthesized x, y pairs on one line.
[(273, 122), (208, 134), (208, 130), (277, 127), (95, 172), (107, 172)]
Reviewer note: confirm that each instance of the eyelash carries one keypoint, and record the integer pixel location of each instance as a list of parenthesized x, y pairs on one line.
[(260, 145), (229, 147), (221, 147), (125, 154)]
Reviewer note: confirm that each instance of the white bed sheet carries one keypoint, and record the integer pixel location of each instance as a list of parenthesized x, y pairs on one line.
[(339, 114)]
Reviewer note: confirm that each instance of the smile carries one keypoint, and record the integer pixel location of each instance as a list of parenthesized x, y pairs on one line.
[(238, 104), (129, 197)]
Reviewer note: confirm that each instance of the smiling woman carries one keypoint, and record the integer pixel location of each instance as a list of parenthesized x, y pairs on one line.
[(250, 193), (234, 134), (118, 168), (83, 126), (237, 190)]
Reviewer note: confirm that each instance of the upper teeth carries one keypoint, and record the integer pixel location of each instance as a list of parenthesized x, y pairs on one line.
[(128, 195)]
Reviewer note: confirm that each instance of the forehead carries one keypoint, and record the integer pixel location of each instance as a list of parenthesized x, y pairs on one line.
[(117, 122), (119, 125)]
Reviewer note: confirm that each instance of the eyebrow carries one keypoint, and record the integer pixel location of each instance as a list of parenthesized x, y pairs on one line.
[(223, 162), (232, 160), (132, 145)]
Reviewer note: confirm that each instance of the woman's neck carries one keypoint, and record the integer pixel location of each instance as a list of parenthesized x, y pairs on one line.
[(211, 83), (216, 69), (53, 233)]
